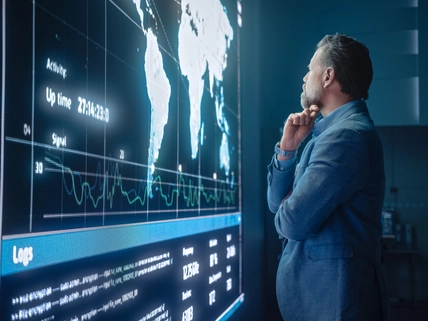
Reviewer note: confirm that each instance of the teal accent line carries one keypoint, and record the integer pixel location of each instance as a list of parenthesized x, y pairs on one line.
[(49, 249), (231, 310)]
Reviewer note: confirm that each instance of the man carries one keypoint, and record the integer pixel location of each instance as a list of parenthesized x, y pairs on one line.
[(328, 207)]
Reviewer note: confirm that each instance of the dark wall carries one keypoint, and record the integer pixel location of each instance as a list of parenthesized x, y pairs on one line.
[(423, 61), (291, 30)]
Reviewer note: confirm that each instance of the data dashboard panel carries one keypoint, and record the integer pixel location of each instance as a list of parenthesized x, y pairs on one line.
[(120, 160)]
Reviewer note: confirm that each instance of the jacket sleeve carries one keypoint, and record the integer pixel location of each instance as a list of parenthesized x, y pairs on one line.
[(279, 184), (337, 167)]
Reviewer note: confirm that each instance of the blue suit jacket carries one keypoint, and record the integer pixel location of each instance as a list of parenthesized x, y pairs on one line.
[(330, 268)]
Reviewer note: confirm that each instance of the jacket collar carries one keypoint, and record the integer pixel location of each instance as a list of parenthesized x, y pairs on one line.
[(323, 123)]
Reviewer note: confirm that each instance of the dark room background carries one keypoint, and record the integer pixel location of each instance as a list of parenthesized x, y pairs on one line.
[(278, 40)]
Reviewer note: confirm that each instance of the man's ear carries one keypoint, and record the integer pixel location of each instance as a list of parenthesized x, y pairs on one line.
[(329, 76)]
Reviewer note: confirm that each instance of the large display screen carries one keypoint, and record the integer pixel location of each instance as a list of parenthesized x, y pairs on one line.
[(120, 195)]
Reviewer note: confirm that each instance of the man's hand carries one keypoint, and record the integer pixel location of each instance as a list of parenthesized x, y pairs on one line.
[(296, 128)]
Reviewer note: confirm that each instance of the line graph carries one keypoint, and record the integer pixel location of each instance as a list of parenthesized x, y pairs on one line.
[(106, 184)]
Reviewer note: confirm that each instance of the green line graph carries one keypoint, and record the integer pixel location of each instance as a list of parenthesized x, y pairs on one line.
[(110, 182)]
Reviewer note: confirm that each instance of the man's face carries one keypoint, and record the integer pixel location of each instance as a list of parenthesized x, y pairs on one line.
[(312, 88)]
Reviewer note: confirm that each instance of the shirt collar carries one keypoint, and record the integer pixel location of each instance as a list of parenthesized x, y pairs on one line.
[(322, 123)]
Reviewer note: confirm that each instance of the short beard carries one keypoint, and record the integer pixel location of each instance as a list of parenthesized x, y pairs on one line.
[(304, 101), (307, 102)]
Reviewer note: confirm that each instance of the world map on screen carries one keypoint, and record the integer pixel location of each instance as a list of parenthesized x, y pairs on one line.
[(204, 38)]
